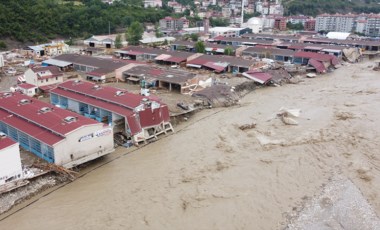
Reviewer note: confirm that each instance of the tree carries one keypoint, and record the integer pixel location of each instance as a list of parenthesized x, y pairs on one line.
[(200, 47), (118, 43), (297, 26), (3, 46), (157, 31), (134, 33), (70, 42), (194, 37), (228, 51)]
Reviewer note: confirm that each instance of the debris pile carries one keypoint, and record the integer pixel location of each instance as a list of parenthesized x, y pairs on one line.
[(219, 95), (287, 115), (247, 126)]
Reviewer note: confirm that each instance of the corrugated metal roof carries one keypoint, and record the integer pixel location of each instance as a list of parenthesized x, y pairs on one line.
[(26, 86), (316, 56), (30, 112), (57, 63), (105, 93), (6, 142), (32, 130), (317, 65), (106, 65), (108, 98), (215, 66), (259, 77)]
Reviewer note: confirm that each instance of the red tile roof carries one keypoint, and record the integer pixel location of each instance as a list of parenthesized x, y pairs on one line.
[(6, 142), (52, 121), (26, 86)]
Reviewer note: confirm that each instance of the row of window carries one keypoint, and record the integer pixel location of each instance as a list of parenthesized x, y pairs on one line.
[(29, 143)]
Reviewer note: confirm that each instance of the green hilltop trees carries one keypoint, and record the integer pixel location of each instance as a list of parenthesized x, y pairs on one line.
[(43, 20)]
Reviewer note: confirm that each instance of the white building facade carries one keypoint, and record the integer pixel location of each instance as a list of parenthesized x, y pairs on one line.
[(336, 22), (10, 161)]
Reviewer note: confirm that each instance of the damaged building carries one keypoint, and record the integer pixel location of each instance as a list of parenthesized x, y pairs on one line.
[(172, 79), (137, 117)]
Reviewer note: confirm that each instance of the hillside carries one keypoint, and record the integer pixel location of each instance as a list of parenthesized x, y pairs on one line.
[(314, 7), (41, 20)]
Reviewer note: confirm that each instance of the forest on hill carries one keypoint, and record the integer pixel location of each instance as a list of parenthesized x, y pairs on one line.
[(315, 7), (43, 20)]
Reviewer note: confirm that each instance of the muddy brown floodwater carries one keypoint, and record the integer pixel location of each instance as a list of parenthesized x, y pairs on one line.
[(213, 175)]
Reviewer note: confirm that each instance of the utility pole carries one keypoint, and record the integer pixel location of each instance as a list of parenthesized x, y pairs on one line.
[(109, 28)]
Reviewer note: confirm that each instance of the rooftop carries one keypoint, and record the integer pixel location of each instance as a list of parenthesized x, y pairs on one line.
[(168, 75), (234, 61), (39, 119), (107, 94), (106, 65), (26, 86), (285, 52), (6, 142)]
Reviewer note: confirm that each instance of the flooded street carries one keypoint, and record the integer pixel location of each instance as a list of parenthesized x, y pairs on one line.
[(212, 175)]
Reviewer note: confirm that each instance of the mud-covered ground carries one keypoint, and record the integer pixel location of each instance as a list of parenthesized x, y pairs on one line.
[(211, 174)]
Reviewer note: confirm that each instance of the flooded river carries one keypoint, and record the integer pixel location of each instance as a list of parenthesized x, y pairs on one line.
[(212, 175)]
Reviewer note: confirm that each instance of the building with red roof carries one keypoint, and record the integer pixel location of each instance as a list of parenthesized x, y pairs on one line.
[(43, 76), (137, 117), (321, 62), (27, 89), (58, 136), (10, 161)]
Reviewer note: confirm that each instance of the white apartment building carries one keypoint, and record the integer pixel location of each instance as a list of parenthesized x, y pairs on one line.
[(373, 26), (336, 22), (152, 3)]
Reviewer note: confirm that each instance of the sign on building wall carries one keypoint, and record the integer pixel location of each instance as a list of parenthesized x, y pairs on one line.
[(99, 133)]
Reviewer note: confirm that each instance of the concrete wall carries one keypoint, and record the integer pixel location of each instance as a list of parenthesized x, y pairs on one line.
[(10, 163), (30, 92), (84, 144)]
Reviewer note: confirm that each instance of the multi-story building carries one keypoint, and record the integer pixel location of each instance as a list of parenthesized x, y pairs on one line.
[(360, 26), (336, 22), (280, 23), (298, 19), (373, 26), (173, 24), (177, 7), (310, 25), (152, 3), (43, 76), (266, 8)]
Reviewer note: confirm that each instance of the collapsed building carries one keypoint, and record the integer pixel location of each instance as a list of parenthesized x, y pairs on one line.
[(137, 117)]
